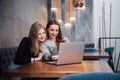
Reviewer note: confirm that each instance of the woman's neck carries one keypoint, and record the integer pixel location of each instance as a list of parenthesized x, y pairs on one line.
[(53, 40)]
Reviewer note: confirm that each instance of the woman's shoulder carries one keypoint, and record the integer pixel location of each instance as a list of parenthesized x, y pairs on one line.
[(25, 40), (44, 43), (47, 43)]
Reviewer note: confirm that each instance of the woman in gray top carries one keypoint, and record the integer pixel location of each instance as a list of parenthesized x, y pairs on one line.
[(50, 47)]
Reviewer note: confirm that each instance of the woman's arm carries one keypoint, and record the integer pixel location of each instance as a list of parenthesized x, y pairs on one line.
[(46, 53), (37, 58), (23, 55)]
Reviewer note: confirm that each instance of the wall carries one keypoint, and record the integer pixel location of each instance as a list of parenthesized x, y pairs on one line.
[(16, 18), (80, 29), (97, 17), (115, 22), (84, 23)]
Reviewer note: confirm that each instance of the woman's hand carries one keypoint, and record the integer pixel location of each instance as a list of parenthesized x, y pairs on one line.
[(54, 57)]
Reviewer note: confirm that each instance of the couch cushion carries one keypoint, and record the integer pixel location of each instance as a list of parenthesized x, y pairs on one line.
[(92, 76), (6, 58)]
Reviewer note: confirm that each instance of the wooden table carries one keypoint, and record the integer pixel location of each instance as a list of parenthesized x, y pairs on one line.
[(95, 56), (44, 70)]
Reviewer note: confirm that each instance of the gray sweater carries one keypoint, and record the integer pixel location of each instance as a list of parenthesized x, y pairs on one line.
[(48, 49)]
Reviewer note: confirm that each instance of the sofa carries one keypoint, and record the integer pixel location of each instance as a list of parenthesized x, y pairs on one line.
[(6, 61)]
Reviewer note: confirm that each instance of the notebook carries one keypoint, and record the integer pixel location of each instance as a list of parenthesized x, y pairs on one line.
[(70, 53)]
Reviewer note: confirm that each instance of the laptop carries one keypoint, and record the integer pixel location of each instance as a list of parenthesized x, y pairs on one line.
[(70, 53)]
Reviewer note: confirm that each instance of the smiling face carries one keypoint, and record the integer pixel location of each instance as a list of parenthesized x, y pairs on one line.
[(53, 31), (42, 35)]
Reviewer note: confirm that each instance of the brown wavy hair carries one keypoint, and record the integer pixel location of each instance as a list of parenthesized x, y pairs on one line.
[(33, 35), (59, 37)]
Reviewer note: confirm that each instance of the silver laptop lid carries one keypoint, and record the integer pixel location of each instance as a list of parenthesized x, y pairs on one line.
[(70, 52)]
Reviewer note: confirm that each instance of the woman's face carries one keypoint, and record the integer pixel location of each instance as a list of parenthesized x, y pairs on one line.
[(41, 35), (53, 31)]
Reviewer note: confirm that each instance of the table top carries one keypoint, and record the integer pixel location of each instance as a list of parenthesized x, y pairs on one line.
[(44, 70), (95, 55)]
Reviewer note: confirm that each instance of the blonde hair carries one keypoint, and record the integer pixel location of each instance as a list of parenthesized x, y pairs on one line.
[(33, 35)]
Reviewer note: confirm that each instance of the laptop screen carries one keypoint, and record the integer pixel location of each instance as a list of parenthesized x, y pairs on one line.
[(71, 52)]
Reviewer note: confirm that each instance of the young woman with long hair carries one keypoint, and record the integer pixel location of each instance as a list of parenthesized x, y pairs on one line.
[(50, 47), (28, 49)]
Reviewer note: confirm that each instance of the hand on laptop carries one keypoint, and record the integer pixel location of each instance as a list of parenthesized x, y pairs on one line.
[(54, 57)]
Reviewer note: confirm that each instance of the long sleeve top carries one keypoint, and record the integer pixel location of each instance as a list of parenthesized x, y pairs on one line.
[(23, 54), (48, 48)]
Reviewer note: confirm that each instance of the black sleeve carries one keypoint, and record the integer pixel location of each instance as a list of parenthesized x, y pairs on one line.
[(23, 54)]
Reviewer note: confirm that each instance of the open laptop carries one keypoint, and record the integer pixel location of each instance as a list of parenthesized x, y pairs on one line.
[(70, 53)]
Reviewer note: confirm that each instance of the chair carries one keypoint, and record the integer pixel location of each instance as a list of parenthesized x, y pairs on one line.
[(110, 50), (89, 50), (92, 76), (118, 61)]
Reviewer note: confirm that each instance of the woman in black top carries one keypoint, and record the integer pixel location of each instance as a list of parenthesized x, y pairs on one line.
[(28, 49)]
